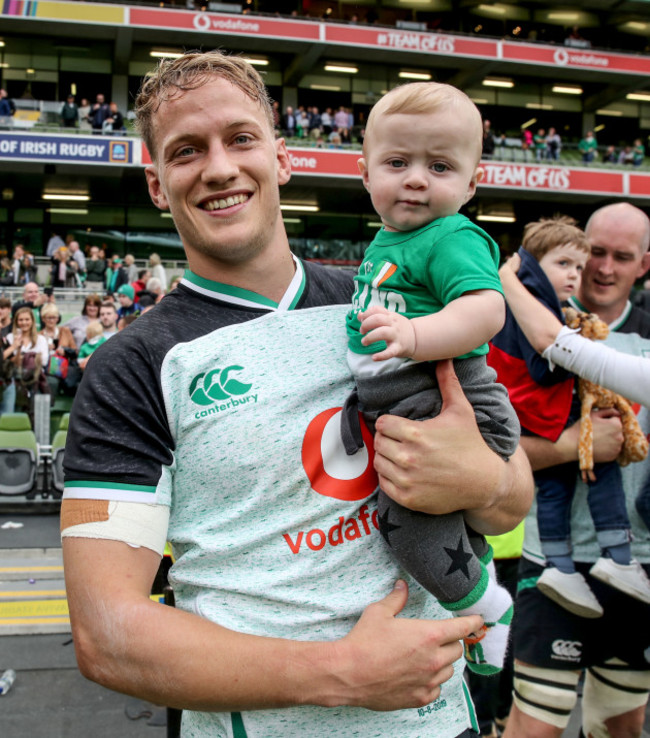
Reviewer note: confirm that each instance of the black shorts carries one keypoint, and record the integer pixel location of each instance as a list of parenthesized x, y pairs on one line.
[(548, 636)]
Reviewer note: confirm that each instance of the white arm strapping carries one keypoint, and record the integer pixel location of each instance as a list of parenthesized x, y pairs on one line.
[(623, 373), (133, 523)]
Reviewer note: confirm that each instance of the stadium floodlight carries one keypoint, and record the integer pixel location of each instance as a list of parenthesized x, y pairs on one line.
[(568, 16), (539, 106), (640, 96), (162, 54), (292, 220), (498, 82), (68, 211), (342, 68), (406, 74), (496, 9), (328, 88), (69, 196), (256, 61), (568, 89), (611, 112), (297, 208)]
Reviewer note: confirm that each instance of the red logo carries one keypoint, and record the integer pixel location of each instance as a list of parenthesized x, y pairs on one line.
[(330, 470)]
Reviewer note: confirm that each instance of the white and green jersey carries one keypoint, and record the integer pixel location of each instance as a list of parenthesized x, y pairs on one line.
[(225, 406), (630, 333)]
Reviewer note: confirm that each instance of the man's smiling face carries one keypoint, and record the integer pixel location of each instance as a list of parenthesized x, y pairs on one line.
[(217, 169)]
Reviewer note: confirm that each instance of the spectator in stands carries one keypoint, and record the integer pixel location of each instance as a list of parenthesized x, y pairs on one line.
[(23, 341), (174, 283), (84, 115), (34, 299), (277, 118), (626, 156), (5, 316), (576, 39), (99, 113), (7, 387), (60, 342), (78, 324), (315, 122), (131, 268), (553, 144), (327, 121), (610, 157), (19, 253), (114, 122), (289, 122), (108, 318), (302, 122), (526, 142), (158, 270), (140, 284), (116, 275), (27, 272), (6, 273), (95, 337), (126, 298), (59, 270), (126, 321), (55, 242), (155, 289), (341, 118), (638, 153), (78, 255), (95, 269), (69, 113), (588, 147), (539, 141), (147, 302), (489, 143), (7, 107)]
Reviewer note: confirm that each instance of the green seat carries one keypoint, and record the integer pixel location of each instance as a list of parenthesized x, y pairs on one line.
[(58, 449), (18, 454)]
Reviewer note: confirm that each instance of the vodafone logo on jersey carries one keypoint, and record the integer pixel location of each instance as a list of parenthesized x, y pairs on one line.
[(331, 472)]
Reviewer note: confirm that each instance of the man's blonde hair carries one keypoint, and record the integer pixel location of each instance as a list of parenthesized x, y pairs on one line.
[(547, 234), (194, 69), (420, 98)]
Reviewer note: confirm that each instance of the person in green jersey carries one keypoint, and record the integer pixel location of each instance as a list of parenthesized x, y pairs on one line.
[(428, 289)]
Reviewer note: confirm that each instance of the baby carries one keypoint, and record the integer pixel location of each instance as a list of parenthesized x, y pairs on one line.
[(429, 289)]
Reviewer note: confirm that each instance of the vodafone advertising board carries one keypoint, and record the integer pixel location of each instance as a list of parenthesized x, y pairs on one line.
[(247, 25)]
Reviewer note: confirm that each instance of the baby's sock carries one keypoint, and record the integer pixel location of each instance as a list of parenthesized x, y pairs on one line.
[(485, 650)]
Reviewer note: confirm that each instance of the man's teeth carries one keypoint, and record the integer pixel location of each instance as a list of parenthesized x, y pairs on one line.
[(228, 202)]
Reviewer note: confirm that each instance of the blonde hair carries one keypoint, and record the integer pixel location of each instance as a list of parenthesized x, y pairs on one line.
[(194, 69), (94, 329), (33, 333), (49, 309), (422, 98), (547, 234)]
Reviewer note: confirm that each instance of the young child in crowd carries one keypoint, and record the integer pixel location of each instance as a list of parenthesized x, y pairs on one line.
[(553, 255), (429, 289), (94, 339)]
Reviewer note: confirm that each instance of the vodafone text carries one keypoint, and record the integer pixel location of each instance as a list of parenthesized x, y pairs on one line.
[(344, 530)]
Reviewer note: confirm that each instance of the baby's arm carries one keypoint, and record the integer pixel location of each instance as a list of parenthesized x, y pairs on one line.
[(461, 326)]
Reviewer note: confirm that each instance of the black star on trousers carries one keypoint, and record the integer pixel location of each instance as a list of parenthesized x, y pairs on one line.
[(459, 558), (386, 527)]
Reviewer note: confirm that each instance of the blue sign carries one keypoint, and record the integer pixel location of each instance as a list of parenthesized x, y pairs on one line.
[(86, 149)]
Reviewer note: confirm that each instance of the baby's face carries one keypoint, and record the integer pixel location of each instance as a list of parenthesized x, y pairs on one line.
[(563, 266), (420, 167)]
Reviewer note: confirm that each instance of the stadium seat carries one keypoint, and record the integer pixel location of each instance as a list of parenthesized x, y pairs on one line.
[(18, 454), (58, 448)]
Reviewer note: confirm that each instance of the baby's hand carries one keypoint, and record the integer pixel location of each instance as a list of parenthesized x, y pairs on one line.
[(379, 324)]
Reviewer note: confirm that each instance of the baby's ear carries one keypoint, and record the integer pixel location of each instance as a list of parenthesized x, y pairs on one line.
[(363, 168)]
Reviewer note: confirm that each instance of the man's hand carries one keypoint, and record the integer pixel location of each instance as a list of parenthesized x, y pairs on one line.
[(390, 663), (431, 465), (379, 324)]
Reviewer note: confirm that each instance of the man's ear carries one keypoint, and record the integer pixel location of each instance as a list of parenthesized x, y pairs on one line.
[(155, 189), (363, 169), (284, 162), (471, 189), (645, 264)]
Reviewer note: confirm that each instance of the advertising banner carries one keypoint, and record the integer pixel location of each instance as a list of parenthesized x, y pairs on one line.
[(70, 149)]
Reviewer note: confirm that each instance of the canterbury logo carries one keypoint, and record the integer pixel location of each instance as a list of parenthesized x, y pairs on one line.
[(567, 649), (217, 385)]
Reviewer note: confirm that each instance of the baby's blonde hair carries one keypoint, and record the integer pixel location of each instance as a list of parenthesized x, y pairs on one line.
[(94, 329), (422, 98)]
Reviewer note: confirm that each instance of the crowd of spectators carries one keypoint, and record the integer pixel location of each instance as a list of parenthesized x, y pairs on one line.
[(329, 127), (42, 355), (100, 117)]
